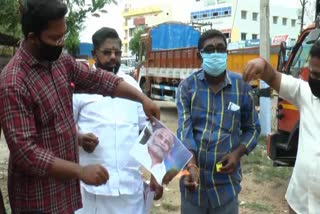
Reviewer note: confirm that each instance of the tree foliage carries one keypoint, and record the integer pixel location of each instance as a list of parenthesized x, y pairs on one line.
[(9, 18), (310, 11), (134, 44), (306, 12), (78, 10)]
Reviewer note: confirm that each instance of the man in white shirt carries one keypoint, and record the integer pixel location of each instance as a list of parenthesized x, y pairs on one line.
[(303, 193), (116, 122)]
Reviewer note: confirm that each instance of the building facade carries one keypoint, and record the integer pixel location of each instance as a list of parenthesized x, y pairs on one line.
[(142, 14), (141, 17), (239, 20)]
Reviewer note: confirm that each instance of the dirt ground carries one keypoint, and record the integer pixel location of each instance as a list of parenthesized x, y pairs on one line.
[(261, 191)]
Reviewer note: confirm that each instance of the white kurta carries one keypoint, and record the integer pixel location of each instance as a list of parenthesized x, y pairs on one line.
[(116, 122), (303, 194)]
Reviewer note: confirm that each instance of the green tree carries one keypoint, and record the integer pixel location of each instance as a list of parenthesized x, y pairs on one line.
[(78, 10), (134, 44), (9, 18)]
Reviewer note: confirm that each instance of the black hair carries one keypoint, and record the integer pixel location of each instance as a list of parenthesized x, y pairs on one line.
[(315, 50), (102, 34), (208, 35), (35, 14)]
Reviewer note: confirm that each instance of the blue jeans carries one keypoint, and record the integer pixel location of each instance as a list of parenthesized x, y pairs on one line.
[(230, 208)]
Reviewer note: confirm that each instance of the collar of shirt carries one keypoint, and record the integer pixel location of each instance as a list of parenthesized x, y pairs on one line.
[(227, 80), (27, 57)]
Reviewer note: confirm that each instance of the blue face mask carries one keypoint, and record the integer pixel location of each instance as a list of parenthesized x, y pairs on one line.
[(214, 64)]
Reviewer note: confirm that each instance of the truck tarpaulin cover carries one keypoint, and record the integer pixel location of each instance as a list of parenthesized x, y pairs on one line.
[(171, 36), (85, 49)]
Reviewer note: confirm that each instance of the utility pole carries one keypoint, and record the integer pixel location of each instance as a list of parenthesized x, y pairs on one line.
[(265, 102)]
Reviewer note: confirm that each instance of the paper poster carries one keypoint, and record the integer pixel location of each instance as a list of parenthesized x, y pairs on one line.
[(160, 151)]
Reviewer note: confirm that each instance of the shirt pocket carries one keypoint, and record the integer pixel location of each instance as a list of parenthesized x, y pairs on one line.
[(230, 120)]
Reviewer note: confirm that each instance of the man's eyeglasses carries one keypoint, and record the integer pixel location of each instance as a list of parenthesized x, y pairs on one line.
[(212, 49), (108, 52)]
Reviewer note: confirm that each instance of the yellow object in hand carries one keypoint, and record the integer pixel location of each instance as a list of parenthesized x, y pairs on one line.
[(218, 166)]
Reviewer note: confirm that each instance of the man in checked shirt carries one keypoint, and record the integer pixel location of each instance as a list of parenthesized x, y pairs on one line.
[(217, 121), (36, 90)]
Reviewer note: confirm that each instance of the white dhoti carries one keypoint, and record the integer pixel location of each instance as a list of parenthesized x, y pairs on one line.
[(100, 204)]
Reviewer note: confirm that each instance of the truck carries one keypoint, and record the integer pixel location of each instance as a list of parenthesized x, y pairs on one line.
[(169, 54), (282, 144)]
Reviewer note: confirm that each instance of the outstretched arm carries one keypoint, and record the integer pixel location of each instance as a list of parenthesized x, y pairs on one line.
[(98, 81), (125, 90), (260, 69)]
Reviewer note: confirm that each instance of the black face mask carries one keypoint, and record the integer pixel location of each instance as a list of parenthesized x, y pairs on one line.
[(49, 52), (109, 67), (314, 86)]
